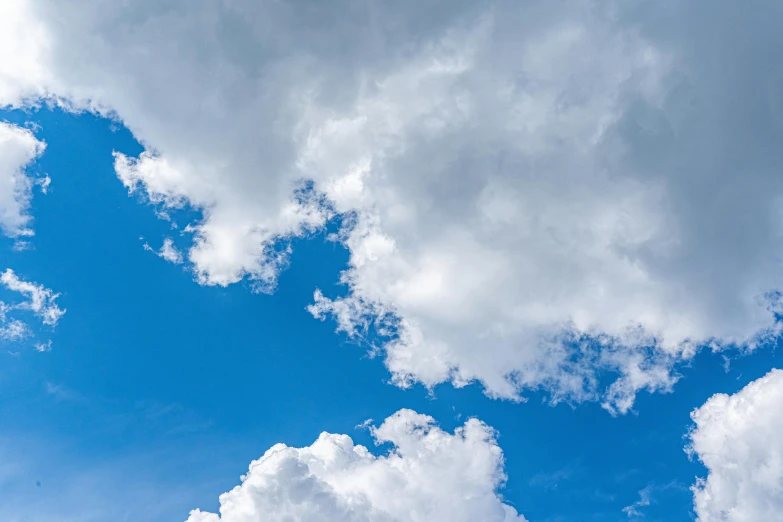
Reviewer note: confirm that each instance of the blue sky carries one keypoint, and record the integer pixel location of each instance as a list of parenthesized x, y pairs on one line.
[(529, 254), (158, 391)]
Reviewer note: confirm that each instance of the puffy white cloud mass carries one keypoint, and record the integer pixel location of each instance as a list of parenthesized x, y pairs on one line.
[(738, 438), (18, 149), (429, 475), (533, 194)]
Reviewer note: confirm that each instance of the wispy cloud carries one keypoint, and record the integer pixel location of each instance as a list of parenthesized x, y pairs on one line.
[(36, 299), (647, 497), (167, 251)]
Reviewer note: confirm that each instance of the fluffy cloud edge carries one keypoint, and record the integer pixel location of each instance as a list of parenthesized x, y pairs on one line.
[(738, 439)]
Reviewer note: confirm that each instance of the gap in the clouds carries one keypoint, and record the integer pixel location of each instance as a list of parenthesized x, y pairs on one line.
[(183, 385), (147, 360)]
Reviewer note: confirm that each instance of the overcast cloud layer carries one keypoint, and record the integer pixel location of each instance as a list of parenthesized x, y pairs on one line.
[(737, 437), (534, 192), (429, 475)]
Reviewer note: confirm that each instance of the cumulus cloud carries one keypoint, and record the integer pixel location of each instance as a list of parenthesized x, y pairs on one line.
[(738, 438), (429, 475), (18, 149), (533, 194)]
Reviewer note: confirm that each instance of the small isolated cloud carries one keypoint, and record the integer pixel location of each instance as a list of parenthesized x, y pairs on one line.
[(739, 439), (646, 498), (43, 183), (367, 424), (167, 251), (39, 300), (43, 347), (429, 476), (13, 329), (18, 149)]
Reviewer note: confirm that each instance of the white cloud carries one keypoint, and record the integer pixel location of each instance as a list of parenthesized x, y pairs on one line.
[(18, 149), (167, 251), (429, 475), (538, 192), (634, 510), (12, 329), (23, 40), (44, 183), (43, 347), (40, 300), (738, 438)]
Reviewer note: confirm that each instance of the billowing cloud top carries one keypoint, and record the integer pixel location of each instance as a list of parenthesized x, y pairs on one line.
[(430, 475), (532, 192), (738, 438)]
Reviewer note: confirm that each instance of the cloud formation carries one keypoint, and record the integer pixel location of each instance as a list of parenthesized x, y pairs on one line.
[(167, 252), (429, 475), (533, 194), (737, 437), (39, 300), (18, 149)]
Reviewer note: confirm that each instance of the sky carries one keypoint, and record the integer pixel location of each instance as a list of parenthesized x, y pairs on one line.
[(379, 262)]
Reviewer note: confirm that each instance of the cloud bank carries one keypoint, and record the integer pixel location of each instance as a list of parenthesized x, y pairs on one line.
[(429, 475), (533, 194), (737, 437)]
